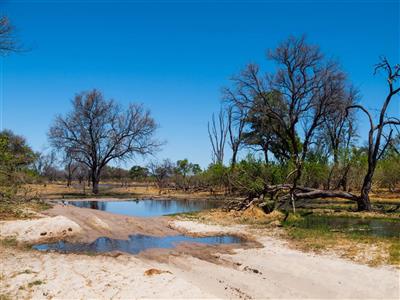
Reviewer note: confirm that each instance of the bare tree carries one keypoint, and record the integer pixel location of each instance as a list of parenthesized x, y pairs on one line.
[(98, 131), (309, 87), (217, 132), (45, 165), (8, 42), (236, 121), (380, 135), (236, 118), (70, 168), (162, 172)]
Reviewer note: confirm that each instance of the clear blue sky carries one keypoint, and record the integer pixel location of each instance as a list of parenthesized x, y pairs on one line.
[(175, 57)]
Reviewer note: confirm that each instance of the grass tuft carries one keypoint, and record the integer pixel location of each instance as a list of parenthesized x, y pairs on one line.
[(9, 242), (36, 282)]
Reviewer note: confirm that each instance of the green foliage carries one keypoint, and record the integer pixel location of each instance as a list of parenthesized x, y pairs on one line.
[(388, 171), (186, 174), (357, 163), (316, 170), (186, 168), (216, 175), (15, 158), (138, 173), (250, 176)]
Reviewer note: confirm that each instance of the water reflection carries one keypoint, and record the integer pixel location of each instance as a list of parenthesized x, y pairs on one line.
[(136, 243), (148, 208)]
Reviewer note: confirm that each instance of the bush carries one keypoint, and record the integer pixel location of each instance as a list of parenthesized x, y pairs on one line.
[(15, 158), (388, 171)]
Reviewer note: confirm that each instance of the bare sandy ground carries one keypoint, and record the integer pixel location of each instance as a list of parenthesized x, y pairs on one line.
[(270, 271)]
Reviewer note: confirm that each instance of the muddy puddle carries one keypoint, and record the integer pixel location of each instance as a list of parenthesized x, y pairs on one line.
[(137, 243)]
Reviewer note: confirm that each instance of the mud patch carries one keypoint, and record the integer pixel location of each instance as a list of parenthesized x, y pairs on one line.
[(151, 272)]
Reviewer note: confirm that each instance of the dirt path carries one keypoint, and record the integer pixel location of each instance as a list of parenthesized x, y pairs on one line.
[(273, 271)]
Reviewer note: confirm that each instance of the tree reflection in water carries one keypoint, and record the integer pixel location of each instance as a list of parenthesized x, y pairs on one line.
[(148, 208)]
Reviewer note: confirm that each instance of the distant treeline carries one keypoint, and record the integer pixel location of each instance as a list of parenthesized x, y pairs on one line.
[(249, 177), (301, 116)]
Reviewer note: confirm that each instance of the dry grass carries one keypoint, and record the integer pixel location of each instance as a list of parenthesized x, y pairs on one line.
[(21, 210), (368, 250), (252, 216), (59, 190)]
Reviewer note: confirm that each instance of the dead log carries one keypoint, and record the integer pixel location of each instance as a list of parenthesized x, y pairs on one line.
[(315, 193)]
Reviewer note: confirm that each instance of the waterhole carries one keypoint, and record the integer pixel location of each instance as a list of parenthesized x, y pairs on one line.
[(136, 243), (148, 208)]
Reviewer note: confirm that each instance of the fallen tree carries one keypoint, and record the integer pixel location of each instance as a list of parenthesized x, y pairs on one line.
[(280, 194)]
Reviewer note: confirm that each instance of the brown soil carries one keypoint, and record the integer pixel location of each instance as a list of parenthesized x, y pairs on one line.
[(96, 223)]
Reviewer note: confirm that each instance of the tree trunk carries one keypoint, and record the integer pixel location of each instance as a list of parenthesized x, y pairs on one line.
[(344, 180), (266, 156), (295, 182), (95, 186), (363, 202), (95, 183), (69, 175), (234, 155)]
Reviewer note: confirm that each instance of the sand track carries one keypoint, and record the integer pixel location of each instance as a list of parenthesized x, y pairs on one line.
[(271, 271)]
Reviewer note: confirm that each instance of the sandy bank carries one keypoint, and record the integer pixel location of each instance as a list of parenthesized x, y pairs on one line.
[(40, 230), (270, 270), (96, 223)]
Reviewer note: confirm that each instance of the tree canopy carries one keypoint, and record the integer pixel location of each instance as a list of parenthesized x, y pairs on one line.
[(98, 131)]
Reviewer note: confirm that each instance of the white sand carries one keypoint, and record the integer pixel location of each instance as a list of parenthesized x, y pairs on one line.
[(39, 230), (274, 271), (287, 273)]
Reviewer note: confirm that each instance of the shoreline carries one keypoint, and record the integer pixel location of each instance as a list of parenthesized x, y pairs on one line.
[(267, 267)]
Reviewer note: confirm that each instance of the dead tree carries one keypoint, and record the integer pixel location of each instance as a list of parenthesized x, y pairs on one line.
[(236, 123), (217, 132), (308, 86), (98, 131), (161, 172), (8, 42), (379, 135), (311, 94)]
